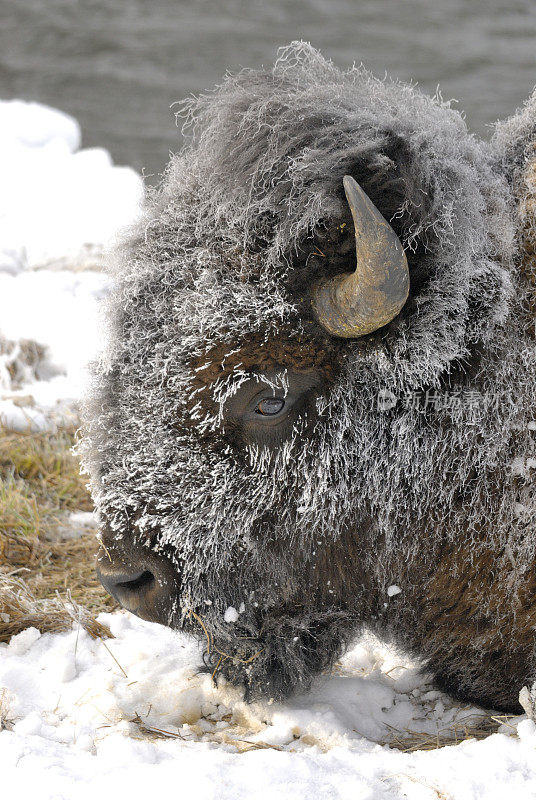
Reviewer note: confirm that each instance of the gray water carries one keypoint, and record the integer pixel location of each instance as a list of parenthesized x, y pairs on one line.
[(117, 65)]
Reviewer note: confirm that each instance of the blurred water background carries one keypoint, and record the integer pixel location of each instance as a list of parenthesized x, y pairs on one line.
[(117, 65)]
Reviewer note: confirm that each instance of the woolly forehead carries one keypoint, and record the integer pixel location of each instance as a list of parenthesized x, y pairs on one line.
[(220, 309)]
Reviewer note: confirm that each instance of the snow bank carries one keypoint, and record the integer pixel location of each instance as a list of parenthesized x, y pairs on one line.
[(60, 208), (59, 310), (58, 204), (85, 717)]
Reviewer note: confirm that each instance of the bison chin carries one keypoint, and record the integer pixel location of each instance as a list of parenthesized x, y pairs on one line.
[(285, 656)]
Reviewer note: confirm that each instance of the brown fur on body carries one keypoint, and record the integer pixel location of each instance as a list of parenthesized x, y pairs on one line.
[(493, 642), (471, 631), (478, 652)]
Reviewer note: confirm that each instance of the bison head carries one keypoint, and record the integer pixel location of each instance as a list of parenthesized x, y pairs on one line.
[(253, 485)]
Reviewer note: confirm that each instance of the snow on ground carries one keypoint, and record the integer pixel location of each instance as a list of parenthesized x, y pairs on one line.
[(132, 716), (60, 208), (87, 718), (58, 310), (58, 204)]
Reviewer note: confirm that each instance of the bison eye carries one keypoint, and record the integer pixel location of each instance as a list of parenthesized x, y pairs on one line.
[(262, 411), (270, 406)]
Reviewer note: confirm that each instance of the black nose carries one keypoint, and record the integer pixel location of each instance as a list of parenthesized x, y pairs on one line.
[(127, 588), (142, 582)]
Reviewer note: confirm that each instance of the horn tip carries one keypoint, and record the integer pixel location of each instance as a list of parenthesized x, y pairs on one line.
[(354, 193)]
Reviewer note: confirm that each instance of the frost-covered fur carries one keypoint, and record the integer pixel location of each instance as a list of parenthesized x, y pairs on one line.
[(379, 483)]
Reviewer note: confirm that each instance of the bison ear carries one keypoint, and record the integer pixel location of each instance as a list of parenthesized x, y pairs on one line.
[(356, 303)]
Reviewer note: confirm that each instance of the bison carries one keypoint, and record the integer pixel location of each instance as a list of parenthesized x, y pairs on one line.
[(315, 410)]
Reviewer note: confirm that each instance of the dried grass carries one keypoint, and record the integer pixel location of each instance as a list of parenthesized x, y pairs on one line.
[(47, 464), (407, 741), (20, 609), (44, 582), (39, 479), (6, 721), (470, 728), (69, 567), (224, 736)]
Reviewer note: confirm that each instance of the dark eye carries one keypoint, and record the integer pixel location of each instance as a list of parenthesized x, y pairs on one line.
[(269, 406)]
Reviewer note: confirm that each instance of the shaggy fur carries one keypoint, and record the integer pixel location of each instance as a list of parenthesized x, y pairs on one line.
[(431, 491)]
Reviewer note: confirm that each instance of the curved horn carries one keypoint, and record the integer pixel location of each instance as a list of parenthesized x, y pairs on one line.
[(356, 303)]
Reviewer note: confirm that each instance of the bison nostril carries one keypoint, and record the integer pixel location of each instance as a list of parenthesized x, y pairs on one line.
[(140, 581), (131, 589), (136, 583)]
